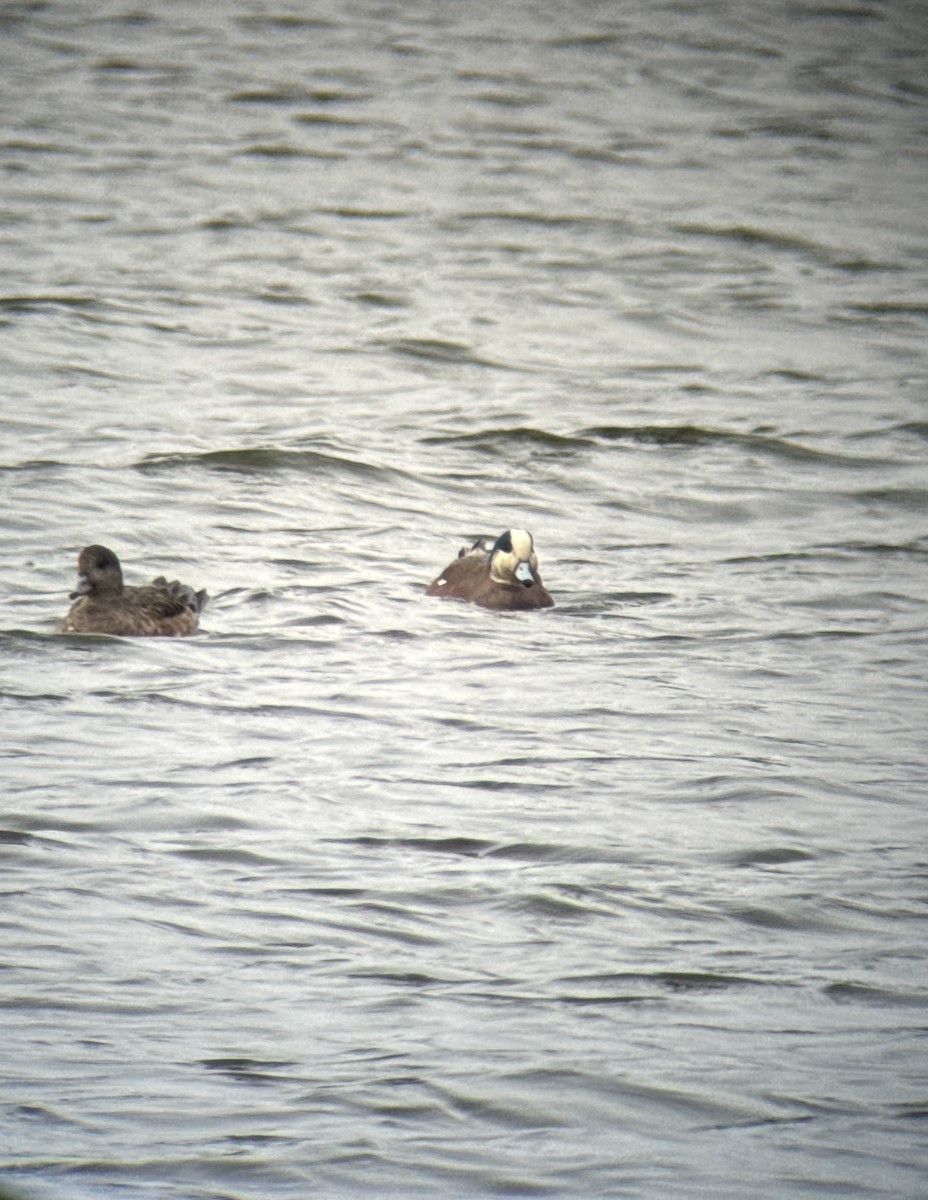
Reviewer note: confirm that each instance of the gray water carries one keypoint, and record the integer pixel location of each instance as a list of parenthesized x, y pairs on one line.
[(361, 893)]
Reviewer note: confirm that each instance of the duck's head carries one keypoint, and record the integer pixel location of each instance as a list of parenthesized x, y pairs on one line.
[(513, 558), (98, 571)]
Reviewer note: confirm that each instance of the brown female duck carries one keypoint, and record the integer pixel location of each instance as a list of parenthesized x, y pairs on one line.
[(104, 604), (503, 575)]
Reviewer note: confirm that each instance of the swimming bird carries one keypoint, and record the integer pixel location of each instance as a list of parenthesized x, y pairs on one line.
[(502, 575), (104, 604)]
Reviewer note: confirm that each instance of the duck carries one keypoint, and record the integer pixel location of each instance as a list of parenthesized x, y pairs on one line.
[(104, 604), (501, 574)]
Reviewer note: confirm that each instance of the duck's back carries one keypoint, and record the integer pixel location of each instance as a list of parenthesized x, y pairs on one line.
[(469, 578), (156, 610)]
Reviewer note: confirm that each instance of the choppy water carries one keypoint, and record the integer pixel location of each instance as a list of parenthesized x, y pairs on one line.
[(360, 893)]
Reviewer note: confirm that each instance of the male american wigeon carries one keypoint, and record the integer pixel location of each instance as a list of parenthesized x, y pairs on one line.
[(104, 604), (502, 575)]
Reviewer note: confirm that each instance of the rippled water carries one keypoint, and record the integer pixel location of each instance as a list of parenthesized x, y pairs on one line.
[(364, 893)]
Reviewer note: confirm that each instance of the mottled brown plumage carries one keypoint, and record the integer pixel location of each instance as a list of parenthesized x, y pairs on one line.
[(501, 576), (104, 604)]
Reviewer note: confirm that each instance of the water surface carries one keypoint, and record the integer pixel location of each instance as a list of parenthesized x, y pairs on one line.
[(363, 893)]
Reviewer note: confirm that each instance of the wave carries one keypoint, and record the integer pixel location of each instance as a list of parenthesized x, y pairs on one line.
[(546, 220), (439, 350), (267, 460), (37, 301), (675, 436), (687, 436), (287, 150), (918, 428), (770, 239), (861, 993), (285, 94), (468, 847), (911, 499), (603, 984), (838, 551), (523, 435)]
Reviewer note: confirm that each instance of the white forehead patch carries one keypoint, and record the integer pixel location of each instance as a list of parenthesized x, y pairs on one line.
[(521, 543)]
